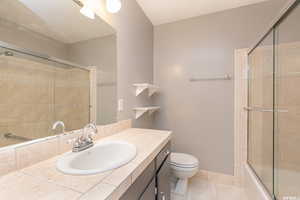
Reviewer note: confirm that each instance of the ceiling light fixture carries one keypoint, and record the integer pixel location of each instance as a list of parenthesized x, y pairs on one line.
[(88, 12), (86, 8), (113, 6)]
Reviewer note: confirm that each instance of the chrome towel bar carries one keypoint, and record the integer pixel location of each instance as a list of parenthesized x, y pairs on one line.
[(16, 137), (260, 109), (226, 77)]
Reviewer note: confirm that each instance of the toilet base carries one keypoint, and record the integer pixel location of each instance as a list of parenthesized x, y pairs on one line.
[(181, 187)]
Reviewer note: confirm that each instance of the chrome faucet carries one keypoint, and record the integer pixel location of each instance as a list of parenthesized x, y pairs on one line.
[(85, 140), (59, 123), (87, 128)]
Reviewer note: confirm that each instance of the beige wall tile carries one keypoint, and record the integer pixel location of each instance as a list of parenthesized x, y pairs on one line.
[(125, 124), (109, 130), (28, 107)]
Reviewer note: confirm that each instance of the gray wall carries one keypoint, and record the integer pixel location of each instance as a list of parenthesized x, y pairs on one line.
[(134, 56), (102, 53), (201, 113), (13, 34)]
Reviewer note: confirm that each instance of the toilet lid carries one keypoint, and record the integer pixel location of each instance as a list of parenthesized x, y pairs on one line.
[(183, 160)]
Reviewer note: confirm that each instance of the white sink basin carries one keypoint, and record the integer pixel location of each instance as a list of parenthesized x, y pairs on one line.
[(102, 157)]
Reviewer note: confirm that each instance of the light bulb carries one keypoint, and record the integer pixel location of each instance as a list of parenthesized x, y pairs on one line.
[(113, 6), (87, 11)]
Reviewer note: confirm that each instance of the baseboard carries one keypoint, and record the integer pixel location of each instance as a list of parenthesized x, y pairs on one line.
[(217, 178)]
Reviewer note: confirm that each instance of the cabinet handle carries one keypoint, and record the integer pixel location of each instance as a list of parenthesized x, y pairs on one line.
[(163, 197)]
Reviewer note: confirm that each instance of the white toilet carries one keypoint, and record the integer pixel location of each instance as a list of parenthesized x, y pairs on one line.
[(183, 167)]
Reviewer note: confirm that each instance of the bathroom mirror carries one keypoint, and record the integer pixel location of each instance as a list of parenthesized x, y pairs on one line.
[(55, 65)]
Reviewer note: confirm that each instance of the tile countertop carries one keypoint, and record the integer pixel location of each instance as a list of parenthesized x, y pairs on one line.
[(43, 182)]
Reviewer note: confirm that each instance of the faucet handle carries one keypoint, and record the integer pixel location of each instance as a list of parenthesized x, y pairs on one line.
[(90, 136), (89, 139), (71, 141), (78, 140), (94, 127)]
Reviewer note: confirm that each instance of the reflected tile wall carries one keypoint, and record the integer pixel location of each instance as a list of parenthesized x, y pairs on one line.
[(72, 97), (35, 95), (288, 98), (261, 123), (287, 126)]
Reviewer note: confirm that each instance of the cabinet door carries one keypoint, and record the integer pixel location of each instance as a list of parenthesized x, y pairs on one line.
[(163, 154), (163, 183), (149, 194), (139, 186)]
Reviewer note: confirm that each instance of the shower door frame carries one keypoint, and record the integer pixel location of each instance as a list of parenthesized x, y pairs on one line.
[(270, 29), (14, 48), (270, 32), (282, 15)]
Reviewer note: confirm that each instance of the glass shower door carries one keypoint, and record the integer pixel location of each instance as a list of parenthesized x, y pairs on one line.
[(287, 104), (72, 97), (260, 115)]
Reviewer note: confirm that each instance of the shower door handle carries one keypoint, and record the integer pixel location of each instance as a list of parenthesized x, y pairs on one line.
[(247, 108), (258, 109)]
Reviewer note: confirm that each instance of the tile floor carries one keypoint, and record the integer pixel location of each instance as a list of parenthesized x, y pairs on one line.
[(202, 189)]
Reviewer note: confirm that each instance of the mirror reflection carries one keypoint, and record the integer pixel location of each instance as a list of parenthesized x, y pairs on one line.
[(55, 75)]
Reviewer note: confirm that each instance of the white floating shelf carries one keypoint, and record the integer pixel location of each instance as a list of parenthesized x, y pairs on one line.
[(140, 87), (139, 111)]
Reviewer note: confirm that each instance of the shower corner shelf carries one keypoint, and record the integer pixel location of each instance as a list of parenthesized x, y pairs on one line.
[(140, 87), (139, 111)]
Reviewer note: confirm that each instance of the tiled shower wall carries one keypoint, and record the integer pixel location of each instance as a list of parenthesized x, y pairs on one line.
[(34, 95), (261, 123), (287, 99), (72, 97), (287, 103)]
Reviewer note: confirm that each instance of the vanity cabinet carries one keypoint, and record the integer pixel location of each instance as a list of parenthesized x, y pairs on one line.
[(135, 191), (163, 181), (150, 192), (153, 183)]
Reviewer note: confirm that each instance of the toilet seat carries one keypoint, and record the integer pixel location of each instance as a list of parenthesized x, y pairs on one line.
[(183, 167), (181, 160)]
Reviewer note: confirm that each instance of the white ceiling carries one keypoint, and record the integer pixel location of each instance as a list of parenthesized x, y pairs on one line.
[(57, 19), (165, 11)]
